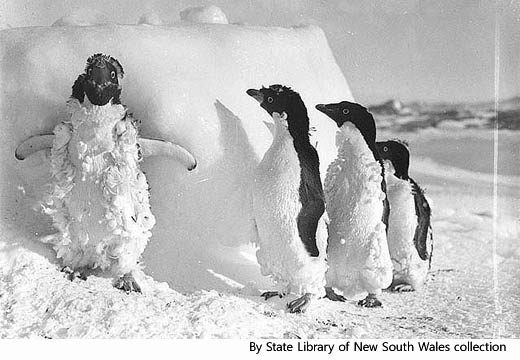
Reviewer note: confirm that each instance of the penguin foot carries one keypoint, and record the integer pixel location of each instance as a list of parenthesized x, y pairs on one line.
[(74, 274), (402, 288), (269, 294), (300, 305), (127, 283), (370, 301), (331, 295)]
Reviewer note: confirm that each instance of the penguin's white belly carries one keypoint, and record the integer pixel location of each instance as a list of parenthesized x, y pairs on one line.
[(99, 197), (409, 268), (358, 257), (276, 205)]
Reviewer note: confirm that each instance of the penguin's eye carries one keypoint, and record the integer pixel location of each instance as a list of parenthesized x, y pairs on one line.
[(385, 148), (346, 111), (270, 100), (113, 74)]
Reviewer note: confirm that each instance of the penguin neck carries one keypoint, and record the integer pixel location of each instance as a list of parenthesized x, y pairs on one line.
[(369, 137), (390, 174), (86, 112), (351, 141), (370, 140)]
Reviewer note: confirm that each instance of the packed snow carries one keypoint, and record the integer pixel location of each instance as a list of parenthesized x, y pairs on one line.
[(201, 279)]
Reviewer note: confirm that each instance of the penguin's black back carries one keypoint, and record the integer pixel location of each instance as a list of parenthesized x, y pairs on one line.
[(311, 188), (311, 196), (423, 238)]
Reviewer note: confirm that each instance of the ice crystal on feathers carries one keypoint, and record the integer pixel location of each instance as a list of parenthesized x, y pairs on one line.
[(99, 197), (357, 252)]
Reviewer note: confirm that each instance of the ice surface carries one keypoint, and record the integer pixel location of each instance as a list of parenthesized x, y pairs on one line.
[(186, 84), (459, 300)]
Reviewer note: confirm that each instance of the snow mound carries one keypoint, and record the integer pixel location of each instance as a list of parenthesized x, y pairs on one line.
[(204, 15), (187, 85)]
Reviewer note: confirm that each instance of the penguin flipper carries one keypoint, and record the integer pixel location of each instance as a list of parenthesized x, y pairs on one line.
[(386, 204), (32, 145), (423, 238), (307, 223), (312, 200), (159, 147)]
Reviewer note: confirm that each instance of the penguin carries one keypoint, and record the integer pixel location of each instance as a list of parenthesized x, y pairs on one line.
[(357, 253), (289, 203), (410, 235), (99, 197)]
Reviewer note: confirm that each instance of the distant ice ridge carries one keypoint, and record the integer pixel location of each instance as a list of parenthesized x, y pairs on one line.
[(428, 166), (185, 84)]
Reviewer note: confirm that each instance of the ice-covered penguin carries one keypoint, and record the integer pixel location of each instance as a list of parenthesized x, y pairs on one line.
[(99, 198), (410, 237), (288, 202), (357, 253)]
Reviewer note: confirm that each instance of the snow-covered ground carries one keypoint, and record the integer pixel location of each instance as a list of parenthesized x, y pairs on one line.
[(187, 84), (471, 292)]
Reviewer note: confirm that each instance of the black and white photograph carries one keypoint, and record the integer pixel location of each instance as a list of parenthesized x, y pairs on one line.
[(260, 169)]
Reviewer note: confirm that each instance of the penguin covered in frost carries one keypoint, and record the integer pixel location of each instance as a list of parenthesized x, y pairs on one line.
[(288, 202), (99, 197), (410, 238), (357, 253)]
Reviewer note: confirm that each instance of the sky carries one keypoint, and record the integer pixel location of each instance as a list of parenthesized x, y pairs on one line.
[(412, 50)]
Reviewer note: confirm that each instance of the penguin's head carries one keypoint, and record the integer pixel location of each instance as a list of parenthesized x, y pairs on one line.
[(398, 154), (281, 102), (356, 114), (102, 79)]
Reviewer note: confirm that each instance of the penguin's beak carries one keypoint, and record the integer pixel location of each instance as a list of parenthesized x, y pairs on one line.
[(331, 111), (256, 94), (323, 108)]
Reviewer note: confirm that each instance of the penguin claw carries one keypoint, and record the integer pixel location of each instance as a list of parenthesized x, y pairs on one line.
[(331, 295), (127, 283), (370, 302), (402, 288), (74, 274), (299, 305), (269, 294)]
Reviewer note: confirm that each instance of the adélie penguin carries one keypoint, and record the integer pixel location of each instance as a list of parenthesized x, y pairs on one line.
[(99, 198), (288, 202), (357, 253), (410, 237)]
